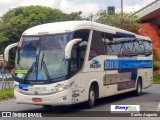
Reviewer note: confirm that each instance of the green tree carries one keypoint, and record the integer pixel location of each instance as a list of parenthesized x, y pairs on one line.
[(127, 21), (90, 17), (16, 21), (156, 62), (75, 16)]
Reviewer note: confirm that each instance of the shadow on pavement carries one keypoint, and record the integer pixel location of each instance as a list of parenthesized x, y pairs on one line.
[(70, 109)]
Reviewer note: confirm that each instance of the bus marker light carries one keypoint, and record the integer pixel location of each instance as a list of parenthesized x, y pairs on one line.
[(36, 99)]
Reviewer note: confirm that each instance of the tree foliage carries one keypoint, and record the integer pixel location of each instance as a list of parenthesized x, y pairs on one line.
[(75, 16), (156, 63), (126, 21), (16, 21)]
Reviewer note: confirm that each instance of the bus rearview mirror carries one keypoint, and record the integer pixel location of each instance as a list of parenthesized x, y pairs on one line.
[(6, 51), (69, 46)]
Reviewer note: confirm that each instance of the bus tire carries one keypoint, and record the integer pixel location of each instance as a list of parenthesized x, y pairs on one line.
[(138, 90), (91, 97)]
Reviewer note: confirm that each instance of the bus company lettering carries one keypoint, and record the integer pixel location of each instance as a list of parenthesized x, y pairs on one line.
[(121, 107), (125, 108), (95, 64)]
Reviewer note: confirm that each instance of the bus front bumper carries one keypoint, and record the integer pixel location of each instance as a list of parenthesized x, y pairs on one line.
[(61, 98)]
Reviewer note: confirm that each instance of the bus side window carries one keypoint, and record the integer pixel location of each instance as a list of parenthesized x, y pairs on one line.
[(77, 59), (148, 47), (137, 47), (97, 45), (141, 45), (74, 65), (133, 50), (109, 49), (84, 35), (79, 51), (82, 52)]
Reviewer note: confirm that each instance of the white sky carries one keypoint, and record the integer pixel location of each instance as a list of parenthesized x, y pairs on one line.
[(68, 6)]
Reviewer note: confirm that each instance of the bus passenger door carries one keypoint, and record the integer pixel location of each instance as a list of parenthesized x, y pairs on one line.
[(76, 71), (77, 63)]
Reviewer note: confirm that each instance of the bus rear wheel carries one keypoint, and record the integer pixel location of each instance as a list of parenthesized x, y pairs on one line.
[(91, 97), (138, 90)]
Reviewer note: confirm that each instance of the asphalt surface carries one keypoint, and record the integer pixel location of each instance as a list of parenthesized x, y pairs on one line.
[(148, 101)]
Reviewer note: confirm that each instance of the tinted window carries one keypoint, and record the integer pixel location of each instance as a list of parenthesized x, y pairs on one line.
[(97, 45), (78, 51), (141, 45), (128, 47), (137, 47), (147, 45), (83, 34)]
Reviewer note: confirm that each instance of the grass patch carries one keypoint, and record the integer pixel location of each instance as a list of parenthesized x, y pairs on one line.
[(6, 94), (156, 79)]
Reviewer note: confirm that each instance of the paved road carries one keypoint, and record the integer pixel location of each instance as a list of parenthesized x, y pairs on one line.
[(148, 101)]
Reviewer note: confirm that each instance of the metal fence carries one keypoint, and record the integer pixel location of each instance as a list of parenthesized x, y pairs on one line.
[(4, 68), (4, 83)]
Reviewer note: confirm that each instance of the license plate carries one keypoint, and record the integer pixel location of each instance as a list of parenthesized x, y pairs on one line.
[(36, 99), (40, 88)]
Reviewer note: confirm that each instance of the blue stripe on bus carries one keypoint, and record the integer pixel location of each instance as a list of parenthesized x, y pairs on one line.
[(125, 34), (23, 86), (124, 64)]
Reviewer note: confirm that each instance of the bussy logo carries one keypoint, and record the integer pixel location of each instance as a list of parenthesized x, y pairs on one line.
[(95, 64), (125, 108)]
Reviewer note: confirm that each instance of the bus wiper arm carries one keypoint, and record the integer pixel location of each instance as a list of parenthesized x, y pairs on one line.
[(34, 65), (42, 60), (30, 71), (45, 67)]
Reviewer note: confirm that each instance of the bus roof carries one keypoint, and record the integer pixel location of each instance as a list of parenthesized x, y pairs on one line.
[(69, 26)]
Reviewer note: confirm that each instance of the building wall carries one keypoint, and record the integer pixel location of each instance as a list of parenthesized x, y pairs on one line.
[(152, 31)]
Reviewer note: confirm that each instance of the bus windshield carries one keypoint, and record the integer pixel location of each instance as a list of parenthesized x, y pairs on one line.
[(41, 57)]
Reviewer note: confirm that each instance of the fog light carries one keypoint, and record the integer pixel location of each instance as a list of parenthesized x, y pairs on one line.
[(16, 89), (60, 89)]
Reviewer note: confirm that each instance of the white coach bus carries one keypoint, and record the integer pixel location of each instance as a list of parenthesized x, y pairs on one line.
[(79, 61)]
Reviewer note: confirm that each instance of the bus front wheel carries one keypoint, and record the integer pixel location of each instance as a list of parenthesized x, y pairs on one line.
[(91, 97)]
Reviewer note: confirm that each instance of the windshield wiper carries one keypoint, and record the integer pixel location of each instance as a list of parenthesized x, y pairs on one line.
[(34, 66), (42, 60), (45, 67), (30, 71)]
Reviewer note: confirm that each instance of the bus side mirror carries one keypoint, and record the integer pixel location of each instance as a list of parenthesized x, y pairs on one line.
[(6, 51), (69, 46)]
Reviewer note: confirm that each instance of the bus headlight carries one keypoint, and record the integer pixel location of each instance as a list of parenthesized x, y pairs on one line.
[(61, 87)]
